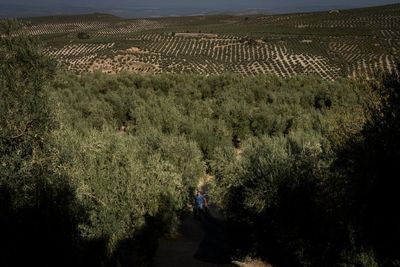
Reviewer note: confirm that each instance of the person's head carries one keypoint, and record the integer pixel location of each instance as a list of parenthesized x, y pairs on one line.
[(197, 193)]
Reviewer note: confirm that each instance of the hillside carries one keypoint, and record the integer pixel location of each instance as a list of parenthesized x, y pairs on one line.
[(339, 43), (109, 170)]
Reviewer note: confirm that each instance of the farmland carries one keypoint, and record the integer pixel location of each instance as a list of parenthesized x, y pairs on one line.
[(332, 44), (109, 126)]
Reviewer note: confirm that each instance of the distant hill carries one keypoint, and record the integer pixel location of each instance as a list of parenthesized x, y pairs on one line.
[(162, 8)]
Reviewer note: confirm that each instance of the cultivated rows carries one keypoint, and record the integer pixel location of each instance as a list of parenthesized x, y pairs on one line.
[(78, 49), (132, 26), (97, 28), (367, 59), (237, 56), (166, 53), (219, 49), (349, 44), (64, 27), (385, 18), (370, 21), (289, 65), (370, 65)]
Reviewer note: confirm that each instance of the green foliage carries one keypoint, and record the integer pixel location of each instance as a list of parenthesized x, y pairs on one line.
[(119, 186), (125, 155), (111, 161), (116, 129), (370, 162), (25, 120), (359, 258), (322, 193), (38, 212), (273, 190)]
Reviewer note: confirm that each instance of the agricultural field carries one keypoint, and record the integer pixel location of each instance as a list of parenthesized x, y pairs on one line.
[(332, 44)]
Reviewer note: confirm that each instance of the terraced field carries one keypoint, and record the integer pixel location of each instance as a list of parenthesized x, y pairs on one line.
[(338, 43)]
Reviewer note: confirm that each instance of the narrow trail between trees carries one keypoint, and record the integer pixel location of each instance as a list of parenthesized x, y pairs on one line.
[(200, 242)]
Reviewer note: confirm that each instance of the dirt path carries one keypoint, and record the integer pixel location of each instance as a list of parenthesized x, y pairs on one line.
[(201, 243)]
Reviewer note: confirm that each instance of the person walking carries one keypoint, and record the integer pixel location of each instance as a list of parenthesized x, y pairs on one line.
[(200, 204)]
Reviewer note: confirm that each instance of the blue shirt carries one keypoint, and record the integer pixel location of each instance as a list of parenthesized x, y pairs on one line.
[(199, 201)]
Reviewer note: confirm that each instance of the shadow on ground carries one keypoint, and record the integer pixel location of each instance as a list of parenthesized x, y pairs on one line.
[(201, 242)]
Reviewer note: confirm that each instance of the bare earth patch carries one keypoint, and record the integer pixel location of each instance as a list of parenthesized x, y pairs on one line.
[(122, 63), (133, 50)]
